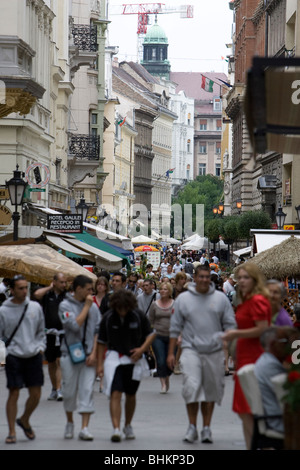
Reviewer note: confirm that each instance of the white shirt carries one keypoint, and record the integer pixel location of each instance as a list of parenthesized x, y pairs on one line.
[(177, 268)]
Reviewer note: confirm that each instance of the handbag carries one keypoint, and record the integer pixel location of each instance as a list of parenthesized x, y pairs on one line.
[(77, 350), (150, 359)]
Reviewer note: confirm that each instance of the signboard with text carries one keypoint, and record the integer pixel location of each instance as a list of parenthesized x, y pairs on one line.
[(65, 223)]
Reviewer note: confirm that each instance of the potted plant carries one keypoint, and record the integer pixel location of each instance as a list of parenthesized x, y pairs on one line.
[(292, 408)]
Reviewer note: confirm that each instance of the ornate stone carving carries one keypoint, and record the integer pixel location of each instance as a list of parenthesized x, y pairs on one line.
[(17, 101)]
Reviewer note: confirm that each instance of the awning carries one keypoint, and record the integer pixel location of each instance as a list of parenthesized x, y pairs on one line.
[(93, 243), (243, 252), (272, 105), (63, 244), (268, 238)]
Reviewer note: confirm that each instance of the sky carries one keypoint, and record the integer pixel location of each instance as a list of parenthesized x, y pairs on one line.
[(195, 44)]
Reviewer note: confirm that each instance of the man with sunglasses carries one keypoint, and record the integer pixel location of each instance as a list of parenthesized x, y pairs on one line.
[(22, 326)]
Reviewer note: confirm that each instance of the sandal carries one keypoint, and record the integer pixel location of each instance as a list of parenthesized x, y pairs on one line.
[(27, 431), (10, 440)]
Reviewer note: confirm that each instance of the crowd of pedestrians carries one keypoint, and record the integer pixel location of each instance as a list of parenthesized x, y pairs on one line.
[(196, 318)]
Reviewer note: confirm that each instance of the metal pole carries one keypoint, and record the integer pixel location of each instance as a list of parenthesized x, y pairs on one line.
[(16, 218)]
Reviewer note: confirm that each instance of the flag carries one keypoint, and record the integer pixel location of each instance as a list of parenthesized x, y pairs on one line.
[(225, 83), (168, 173), (223, 58), (207, 84), (121, 122)]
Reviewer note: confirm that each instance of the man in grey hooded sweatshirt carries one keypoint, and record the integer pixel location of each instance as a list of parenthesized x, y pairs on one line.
[(24, 361), (80, 317), (201, 315)]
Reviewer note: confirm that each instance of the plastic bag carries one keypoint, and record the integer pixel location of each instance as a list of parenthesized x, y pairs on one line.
[(2, 352)]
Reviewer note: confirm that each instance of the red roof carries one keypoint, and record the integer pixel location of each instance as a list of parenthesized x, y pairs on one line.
[(190, 83)]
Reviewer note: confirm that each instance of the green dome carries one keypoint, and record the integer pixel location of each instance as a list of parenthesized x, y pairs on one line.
[(156, 35)]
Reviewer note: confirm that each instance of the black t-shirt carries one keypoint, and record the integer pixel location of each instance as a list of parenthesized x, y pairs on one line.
[(50, 303), (124, 334)]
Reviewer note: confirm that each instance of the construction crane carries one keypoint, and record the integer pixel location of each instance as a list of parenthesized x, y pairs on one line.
[(144, 10)]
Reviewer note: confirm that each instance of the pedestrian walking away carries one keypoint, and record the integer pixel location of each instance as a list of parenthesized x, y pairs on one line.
[(81, 318), (50, 298), (22, 326), (201, 315), (125, 335)]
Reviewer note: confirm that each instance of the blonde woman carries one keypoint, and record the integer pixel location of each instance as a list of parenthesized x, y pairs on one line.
[(253, 316), (159, 317)]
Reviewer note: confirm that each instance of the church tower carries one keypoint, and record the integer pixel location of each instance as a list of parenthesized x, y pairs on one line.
[(155, 55)]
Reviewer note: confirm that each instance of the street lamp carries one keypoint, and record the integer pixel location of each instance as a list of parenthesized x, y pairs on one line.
[(221, 207), (298, 212), (82, 209), (239, 205), (16, 188), (280, 218), (215, 210)]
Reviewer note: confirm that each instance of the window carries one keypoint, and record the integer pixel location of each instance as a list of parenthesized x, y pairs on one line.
[(218, 169), (202, 169), (218, 148), (217, 104), (202, 147), (189, 119), (188, 146), (203, 124), (93, 124), (219, 125)]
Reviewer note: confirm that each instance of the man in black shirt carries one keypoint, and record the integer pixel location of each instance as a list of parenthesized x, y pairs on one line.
[(126, 333), (50, 298)]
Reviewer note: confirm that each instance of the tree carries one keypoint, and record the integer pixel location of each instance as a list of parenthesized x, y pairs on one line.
[(253, 220), (206, 190)]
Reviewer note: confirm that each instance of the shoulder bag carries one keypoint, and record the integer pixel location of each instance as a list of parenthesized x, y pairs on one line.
[(77, 350)]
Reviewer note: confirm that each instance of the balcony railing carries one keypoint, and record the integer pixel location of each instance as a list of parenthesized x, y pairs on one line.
[(85, 37), (84, 147)]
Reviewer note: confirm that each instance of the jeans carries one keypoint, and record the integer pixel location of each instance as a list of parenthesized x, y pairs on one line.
[(160, 347)]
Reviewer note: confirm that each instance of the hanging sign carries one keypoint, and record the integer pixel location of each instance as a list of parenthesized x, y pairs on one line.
[(37, 175)]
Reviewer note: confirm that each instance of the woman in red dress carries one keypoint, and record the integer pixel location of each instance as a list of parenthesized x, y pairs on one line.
[(253, 315)]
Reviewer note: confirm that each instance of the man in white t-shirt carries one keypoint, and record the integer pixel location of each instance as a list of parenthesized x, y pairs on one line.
[(163, 268), (177, 267)]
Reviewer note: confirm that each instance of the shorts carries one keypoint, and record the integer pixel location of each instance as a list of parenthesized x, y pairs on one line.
[(52, 352), (24, 372), (123, 382), (203, 376)]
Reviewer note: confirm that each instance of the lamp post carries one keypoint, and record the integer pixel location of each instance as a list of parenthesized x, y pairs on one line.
[(239, 205), (215, 210), (280, 218), (82, 209), (298, 212), (16, 188)]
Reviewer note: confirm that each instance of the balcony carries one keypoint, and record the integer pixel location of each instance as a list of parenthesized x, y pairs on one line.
[(83, 47), (85, 37), (84, 146), (19, 90), (83, 157)]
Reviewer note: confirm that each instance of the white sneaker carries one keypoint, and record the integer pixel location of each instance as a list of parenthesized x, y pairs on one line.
[(85, 435), (59, 396), (53, 395), (128, 431), (206, 436), (116, 436), (191, 434), (69, 431)]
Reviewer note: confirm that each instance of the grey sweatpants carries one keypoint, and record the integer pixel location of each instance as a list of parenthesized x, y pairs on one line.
[(77, 382)]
